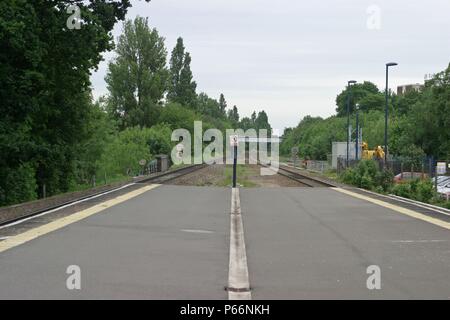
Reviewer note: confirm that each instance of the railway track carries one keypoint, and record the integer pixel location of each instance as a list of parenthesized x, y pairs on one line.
[(19, 215), (306, 180)]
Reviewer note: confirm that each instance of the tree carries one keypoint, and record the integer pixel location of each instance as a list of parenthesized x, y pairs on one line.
[(178, 117), (182, 87), (137, 78), (431, 116), (262, 122), (233, 116), (176, 65), (360, 91), (253, 117), (403, 104), (222, 104), (208, 106), (44, 70), (246, 123)]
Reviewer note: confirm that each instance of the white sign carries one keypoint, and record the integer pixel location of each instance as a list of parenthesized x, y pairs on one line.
[(142, 162), (234, 140), (441, 168), (180, 149)]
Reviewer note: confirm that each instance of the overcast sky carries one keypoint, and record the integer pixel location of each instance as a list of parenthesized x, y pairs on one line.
[(291, 58)]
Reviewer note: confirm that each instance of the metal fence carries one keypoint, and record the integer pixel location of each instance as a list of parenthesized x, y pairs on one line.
[(311, 165), (319, 166), (152, 167)]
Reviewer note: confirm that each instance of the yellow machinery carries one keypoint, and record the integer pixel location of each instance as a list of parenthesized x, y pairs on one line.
[(367, 154)]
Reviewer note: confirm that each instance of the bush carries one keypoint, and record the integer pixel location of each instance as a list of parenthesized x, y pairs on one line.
[(402, 190), (178, 117), (123, 153), (18, 185), (425, 191), (348, 176), (366, 175), (158, 139), (420, 190), (384, 180), (366, 182)]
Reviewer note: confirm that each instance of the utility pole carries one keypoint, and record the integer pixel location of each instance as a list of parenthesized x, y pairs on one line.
[(357, 132), (386, 111), (349, 94), (234, 166), (234, 142)]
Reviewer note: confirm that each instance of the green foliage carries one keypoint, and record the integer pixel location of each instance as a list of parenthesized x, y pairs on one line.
[(246, 123), (137, 78), (404, 103), (416, 126), (262, 122), (425, 190), (182, 87), (122, 155), (158, 139), (18, 185), (314, 136), (256, 122), (222, 104), (367, 175), (366, 94), (420, 190), (209, 107), (384, 180), (402, 190), (45, 93), (178, 117), (51, 132), (101, 130), (233, 116)]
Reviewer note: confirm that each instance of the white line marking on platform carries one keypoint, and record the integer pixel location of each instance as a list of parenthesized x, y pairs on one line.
[(418, 241), (63, 207), (196, 231), (65, 221), (238, 279), (398, 209)]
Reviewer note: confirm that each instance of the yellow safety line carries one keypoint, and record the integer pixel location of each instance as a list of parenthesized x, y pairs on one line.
[(60, 223), (399, 209)]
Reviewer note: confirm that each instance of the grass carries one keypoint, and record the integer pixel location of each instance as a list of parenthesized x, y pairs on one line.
[(243, 177)]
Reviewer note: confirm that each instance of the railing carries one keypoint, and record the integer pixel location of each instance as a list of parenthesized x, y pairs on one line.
[(316, 165), (152, 167)]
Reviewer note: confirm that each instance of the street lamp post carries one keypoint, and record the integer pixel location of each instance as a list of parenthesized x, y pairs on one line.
[(349, 93), (386, 111), (357, 132)]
